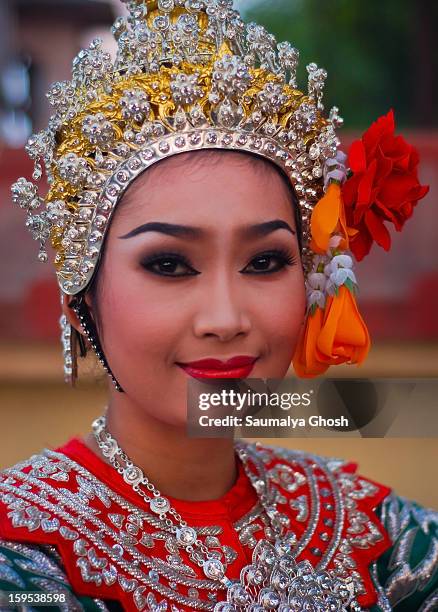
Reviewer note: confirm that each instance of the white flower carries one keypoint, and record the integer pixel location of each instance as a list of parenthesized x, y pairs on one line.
[(319, 260), (341, 261), (316, 297), (316, 280), (339, 271), (328, 269), (339, 278), (335, 169)]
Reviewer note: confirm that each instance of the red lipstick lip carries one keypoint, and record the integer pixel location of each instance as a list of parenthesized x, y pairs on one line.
[(241, 372), (239, 361)]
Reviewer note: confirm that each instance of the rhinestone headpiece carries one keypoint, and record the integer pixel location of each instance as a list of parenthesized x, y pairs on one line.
[(188, 75)]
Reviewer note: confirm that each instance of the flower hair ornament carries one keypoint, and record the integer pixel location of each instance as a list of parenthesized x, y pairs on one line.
[(191, 75)]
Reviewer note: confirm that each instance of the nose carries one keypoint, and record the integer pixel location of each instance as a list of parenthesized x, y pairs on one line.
[(221, 313)]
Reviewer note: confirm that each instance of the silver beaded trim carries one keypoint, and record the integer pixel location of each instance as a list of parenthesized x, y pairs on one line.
[(87, 237)]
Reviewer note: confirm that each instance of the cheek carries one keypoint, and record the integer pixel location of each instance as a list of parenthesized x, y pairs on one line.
[(142, 331), (138, 322), (281, 313)]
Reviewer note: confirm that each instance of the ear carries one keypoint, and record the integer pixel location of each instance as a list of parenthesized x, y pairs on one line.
[(70, 314)]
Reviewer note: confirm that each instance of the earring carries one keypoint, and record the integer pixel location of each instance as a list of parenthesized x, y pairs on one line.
[(68, 352), (70, 340), (79, 306)]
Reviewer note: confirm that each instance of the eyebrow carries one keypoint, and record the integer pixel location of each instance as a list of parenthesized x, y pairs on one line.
[(185, 231)]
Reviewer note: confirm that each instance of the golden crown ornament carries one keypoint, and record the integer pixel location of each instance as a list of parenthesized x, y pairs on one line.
[(188, 75), (191, 75)]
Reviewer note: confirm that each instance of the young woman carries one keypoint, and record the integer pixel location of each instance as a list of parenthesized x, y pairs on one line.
[(202, 219)]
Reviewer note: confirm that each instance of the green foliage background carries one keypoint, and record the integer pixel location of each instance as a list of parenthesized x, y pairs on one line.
[(378, 54)]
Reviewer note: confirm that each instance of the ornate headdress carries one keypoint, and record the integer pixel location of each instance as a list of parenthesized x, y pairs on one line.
[(190, 75)]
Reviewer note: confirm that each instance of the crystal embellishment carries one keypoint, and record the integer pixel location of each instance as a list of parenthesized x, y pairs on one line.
[(214, 569), (186, 536), (160, 505)]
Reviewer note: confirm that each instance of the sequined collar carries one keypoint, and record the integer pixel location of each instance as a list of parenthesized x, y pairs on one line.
[(113, 548)]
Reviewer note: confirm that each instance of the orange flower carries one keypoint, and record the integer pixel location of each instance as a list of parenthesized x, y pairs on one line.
[(305, 361), (344, 337), (328, 218), (332, 336)]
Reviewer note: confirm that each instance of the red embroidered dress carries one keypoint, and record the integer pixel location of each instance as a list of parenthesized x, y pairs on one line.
[(70, 523)]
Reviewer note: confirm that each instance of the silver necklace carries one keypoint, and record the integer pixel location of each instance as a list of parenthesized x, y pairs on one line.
[(185, 535), (274, 580)]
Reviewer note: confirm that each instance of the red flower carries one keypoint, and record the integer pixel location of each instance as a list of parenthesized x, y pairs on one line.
[(384, 185)]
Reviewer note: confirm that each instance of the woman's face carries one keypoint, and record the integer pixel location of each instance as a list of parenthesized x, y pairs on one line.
[(201, 261)]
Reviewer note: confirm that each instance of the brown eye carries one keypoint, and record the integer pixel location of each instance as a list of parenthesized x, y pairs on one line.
[(269, 262), (169, 264)]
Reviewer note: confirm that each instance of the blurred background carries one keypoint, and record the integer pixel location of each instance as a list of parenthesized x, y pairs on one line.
[(378, 55)]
